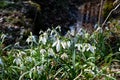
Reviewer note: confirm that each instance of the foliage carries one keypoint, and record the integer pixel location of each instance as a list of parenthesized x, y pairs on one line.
[(52, 56), (74, 56)]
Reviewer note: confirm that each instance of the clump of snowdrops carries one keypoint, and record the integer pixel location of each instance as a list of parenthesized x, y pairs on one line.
[(80, 56)]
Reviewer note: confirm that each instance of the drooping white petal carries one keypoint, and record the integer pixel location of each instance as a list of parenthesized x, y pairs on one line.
[(58, 46), (42, 51), (51, 52), (1, 62), (54, 44), (17, 61), (68, 44), (78, 46), (92, 49), (44, 40), (64, 56), (63, 44)]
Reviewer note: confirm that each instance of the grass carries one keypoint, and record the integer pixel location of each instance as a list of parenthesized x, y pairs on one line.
[(83, 56)]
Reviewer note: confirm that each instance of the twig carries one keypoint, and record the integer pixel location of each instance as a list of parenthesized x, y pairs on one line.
[(101, 7), (110, 14)]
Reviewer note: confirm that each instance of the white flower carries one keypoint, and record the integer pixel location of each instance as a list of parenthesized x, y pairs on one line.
[(40, 69), (72, 30), (58, 27), (80, 32), (99, 29), (43, 38), (64, 44), (83, 48), (33, 52), (78, 46), (51, 52), (54, 44), (64, 56), (1, 62), (88, 47), (68, 44), (92, 48), (17, 60), (42, 51), (29, 59), (31, 39), (57, 44), (106, 28)]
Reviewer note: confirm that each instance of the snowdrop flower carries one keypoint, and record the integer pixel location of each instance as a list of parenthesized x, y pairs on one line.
[(80, 32), (92, 48), (72, 30), (95, 26), (99, 29), (1, 62), (45, 35), (68, 44), (17, 44), (32, 52), (58, 27), (51, 52), (40, 69), (31, 39), (48, 30), (88, 47), (57, 45), (54, 44), (64, 44), (20, 53), (83, 48), (29, 59), (42, 51), (43, 38), (17, 60), (64, 56), (107, 28), (78, 46)]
